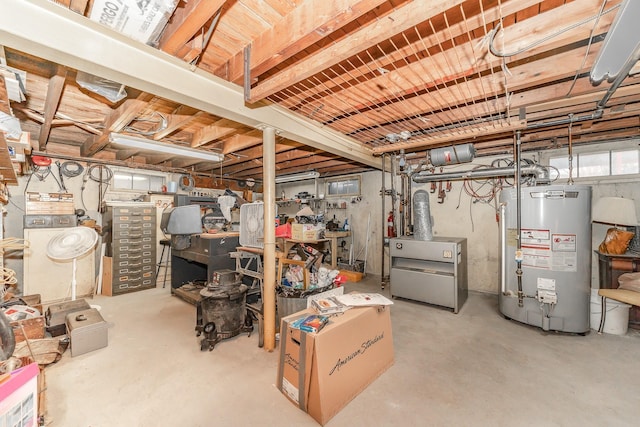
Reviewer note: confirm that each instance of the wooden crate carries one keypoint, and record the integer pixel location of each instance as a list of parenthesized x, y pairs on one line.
[(49, 204), (34, 301), (33, 328)]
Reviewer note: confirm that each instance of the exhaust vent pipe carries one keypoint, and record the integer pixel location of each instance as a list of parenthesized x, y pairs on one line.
[(423, 226)]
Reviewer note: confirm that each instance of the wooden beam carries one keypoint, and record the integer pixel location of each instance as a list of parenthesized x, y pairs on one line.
[(180, 117), (218, 130), (241, 142), (382, 61), (484, 92), (126, 154), (254, 154), (186, 22), (310, 22), (5, 106), (183, 163), (116, 121), (435, 74), (403, 18), (79, 6), (54, 94), (283, 159)]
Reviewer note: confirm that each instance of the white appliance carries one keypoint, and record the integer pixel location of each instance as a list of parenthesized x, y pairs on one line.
[(431, 271), (51, 279), (555, 257), (252, 224), (70, 245)]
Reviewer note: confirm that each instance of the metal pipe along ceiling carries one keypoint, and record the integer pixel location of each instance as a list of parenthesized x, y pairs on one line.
[(541, 173)]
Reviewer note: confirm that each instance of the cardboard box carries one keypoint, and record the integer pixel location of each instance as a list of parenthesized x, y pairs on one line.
[(351, 276), (19, 397), (305, 232), (322, 372)]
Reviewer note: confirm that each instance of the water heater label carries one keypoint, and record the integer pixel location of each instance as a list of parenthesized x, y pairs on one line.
[(563, 243), (536, 248), (535, 237)]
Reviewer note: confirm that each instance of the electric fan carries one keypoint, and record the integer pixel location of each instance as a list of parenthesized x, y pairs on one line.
[(69, 245), (252, 225)]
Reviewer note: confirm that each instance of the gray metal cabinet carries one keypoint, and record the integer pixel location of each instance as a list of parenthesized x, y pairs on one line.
[(433, 271), (131, 242)]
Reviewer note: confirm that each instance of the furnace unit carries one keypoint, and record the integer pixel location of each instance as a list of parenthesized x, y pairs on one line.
[(430, 271), (555, 257)]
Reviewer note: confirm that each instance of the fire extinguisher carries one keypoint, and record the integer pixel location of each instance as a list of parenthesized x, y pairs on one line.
[(391, 231)]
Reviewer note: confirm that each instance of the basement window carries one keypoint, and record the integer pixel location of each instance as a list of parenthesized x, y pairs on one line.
[(340, 187), (598, 164), (123, 180)]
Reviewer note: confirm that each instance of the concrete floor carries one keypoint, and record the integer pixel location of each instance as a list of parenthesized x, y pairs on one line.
[(469, 369)]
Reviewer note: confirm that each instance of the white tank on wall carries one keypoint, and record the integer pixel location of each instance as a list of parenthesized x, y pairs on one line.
[(555, 257)]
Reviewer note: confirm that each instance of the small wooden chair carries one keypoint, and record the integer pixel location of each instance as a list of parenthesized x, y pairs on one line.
[(621, 295)]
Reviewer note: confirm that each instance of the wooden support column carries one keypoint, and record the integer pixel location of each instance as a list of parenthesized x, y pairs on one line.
[(269, 196)]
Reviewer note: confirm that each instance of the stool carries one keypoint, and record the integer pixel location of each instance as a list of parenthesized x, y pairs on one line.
[(166, 243)]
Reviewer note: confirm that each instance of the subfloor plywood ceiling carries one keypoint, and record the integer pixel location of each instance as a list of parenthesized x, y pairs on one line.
[(342, 82)]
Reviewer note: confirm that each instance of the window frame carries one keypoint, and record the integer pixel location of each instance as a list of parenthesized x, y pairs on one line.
[(141, 172), (344, 178), (605, 147)]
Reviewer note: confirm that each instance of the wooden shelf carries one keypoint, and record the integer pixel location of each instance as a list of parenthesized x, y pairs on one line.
[(7, 173)]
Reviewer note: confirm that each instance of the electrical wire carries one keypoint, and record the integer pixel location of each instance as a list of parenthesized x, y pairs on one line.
[(190, 180), (8, 277), (13, 244), (492, 35), (62, 186), (71, 169), (104, 177), (42, 173)]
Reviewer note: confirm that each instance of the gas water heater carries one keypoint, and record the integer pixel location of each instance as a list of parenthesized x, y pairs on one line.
[(545, 278)]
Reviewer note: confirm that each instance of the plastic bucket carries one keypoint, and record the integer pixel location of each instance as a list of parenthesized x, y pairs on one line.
[(172, 186), (617, 319)]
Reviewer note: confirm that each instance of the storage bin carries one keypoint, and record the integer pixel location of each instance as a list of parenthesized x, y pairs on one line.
[(617, 318), (87, 331)]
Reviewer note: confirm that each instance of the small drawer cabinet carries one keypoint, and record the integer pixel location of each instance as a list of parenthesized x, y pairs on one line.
[(131, 243)]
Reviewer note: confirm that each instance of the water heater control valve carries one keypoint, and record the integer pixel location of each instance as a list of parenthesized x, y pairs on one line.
[(547, 297)]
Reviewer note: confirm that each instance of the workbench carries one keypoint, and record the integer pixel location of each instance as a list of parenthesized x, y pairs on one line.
[(206, 254), (330, 236)]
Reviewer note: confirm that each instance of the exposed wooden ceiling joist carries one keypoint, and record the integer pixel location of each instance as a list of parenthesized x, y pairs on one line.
[(306, 24), (399, 20), (185, 23), (28, 26)]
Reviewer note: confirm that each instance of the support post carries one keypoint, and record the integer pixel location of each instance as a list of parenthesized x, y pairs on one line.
[(269, 191)]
